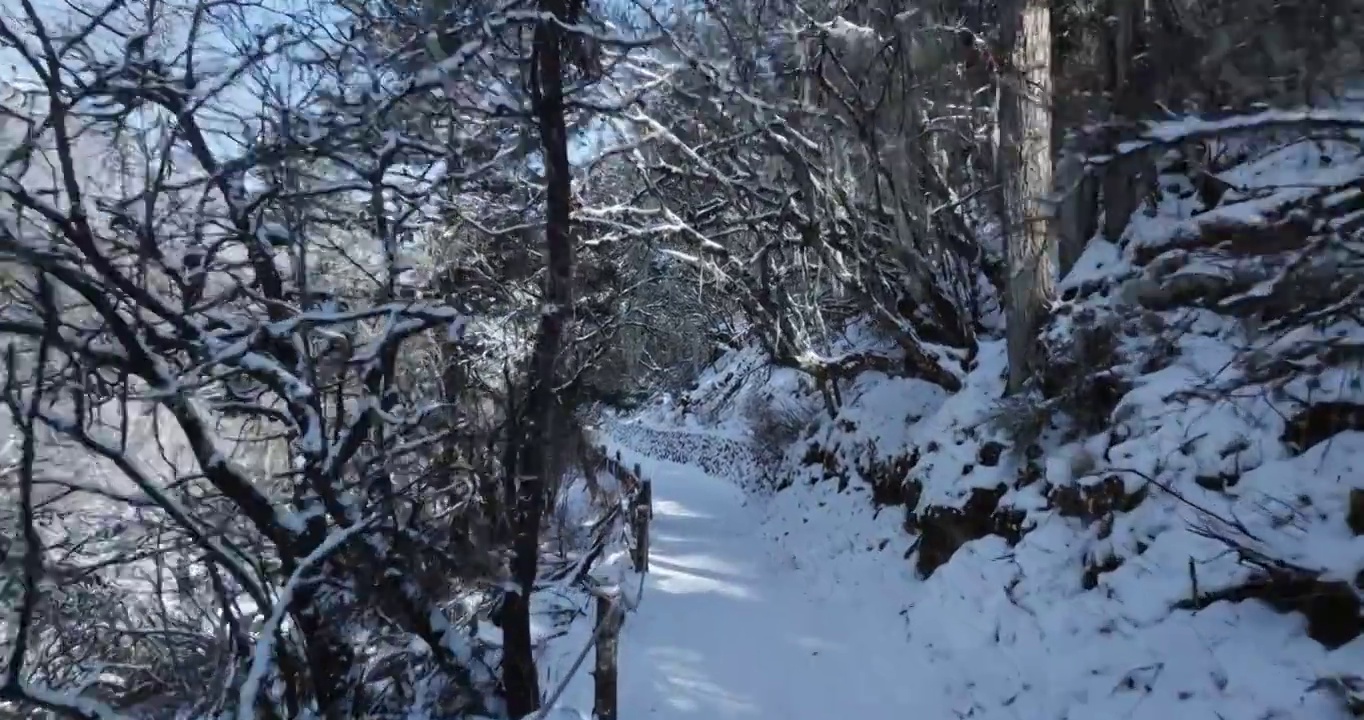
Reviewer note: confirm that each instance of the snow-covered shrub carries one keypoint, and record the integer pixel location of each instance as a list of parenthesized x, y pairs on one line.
[(1023, 417), (1083, 377), (1081, 383), (776, 423)]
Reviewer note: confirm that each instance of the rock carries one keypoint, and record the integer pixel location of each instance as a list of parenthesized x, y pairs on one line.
[(1091, 503), (1355, 518), (943, 530), (1319, 421), (1332, 608), (990, 453), (889, 480)]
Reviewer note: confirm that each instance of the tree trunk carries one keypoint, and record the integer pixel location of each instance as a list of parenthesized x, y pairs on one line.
[(330, 659), (519, 678), (1077, 217), (1123, 44), (1025, 150)]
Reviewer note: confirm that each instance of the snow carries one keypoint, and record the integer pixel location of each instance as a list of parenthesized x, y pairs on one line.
[(1130, 613), (725, 630), (1192, 127), (800, 605)]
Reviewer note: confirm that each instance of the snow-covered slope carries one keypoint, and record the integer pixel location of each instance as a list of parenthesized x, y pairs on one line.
[(1172, 535)]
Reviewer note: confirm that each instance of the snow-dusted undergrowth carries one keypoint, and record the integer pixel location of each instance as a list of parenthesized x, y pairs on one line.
[(1115, 568)]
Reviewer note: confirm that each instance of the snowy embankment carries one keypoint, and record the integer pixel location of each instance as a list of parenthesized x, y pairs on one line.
[(1176, 540)]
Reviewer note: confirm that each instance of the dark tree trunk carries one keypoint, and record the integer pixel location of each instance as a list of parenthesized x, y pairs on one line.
[(330, 658), (1127, 86), (520, 682)]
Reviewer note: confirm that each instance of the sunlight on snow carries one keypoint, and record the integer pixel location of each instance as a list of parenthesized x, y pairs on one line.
[(685, 687), (689, 574), (669, 508)]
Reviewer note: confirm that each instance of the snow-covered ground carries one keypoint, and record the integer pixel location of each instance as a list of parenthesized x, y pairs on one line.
[(803, 605), (1077, 574), (725, 629)]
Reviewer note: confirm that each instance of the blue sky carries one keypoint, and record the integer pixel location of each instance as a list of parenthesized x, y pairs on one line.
[(216, 46)]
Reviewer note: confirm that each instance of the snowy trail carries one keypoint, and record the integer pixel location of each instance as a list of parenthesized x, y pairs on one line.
[(725, 632)]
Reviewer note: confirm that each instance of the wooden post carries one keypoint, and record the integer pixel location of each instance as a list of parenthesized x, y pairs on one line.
[(643, 512), (632, 518), (604, 674)]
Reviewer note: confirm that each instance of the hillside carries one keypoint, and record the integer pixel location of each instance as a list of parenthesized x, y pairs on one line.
[(1173, 531)]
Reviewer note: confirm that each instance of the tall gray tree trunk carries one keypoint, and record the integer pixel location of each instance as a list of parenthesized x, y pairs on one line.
[(1025, 160)]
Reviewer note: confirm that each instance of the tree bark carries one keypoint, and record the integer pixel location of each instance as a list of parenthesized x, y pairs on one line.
[(1025, 150), (1077, 217), (330, 659), (519, 677), (1123, 44), (604, 675)]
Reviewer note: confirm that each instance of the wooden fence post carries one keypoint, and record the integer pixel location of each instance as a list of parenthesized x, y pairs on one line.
[(641, 512), (632, 519), (604, 674)]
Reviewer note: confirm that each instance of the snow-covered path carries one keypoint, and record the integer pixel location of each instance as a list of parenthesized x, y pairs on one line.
[(724, 632)]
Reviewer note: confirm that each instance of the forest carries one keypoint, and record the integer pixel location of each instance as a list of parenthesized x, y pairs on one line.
[(321, 319)]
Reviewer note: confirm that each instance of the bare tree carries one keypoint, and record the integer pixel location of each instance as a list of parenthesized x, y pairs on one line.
[(758, 194), (250, 300), (526, 489)]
